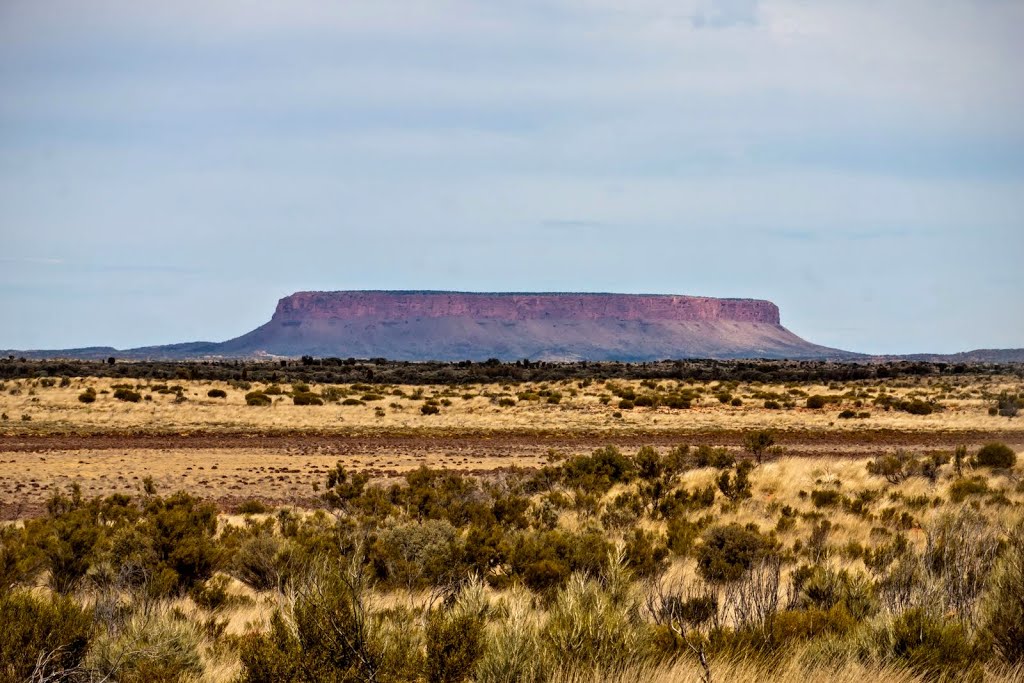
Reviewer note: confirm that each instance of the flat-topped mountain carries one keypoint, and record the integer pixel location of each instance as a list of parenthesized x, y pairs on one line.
[(455, 326), (411, 325)]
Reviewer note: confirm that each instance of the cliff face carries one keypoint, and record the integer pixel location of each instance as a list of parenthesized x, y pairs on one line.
[(459, 326), (394, 306), (455, 326)]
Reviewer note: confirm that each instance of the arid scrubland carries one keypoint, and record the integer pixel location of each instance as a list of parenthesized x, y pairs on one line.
[(575, 530)]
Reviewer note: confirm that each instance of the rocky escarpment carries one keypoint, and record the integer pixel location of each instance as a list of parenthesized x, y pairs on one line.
[(410, 325), (520, 306)]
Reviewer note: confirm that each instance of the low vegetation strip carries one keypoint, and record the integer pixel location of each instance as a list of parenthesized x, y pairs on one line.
[(830, 443)]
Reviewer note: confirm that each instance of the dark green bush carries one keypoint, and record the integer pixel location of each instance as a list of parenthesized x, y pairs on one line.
[(455, 641), (726, 552), (127, 395), (306, 398), (252, 507), (87, 396), (995, 455), (962, 489), (720, 458), (599, 471), (36, 626), (217, 393), (1004, 617), (931, 646), (823, 498), (257, 398), (646, 554)]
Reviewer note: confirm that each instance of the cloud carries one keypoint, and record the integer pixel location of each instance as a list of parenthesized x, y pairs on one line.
[(32, 260), (726, 14)]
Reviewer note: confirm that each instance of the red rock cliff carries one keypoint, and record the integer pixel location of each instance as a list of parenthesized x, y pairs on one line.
[(383, 305)]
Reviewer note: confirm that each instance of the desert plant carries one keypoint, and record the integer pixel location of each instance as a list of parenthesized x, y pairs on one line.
[(727, 551), (995, 455), (153, 645), (455, 636), (257, 398), (127, 395), (758, 443), (43, 638), (514, 652), (1004, 604)]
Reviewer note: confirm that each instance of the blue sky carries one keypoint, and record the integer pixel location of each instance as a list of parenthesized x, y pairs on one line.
[(169, 170)]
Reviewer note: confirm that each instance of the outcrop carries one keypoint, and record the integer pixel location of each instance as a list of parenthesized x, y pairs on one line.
[(429, 325)]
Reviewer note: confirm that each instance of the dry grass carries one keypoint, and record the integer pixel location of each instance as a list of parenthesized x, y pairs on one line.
[(792, 670), (57, 410)]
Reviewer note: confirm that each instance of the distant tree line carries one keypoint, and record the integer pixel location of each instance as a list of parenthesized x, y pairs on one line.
[(382, 371)]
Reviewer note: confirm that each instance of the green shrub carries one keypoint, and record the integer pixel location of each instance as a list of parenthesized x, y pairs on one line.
[(252, 506), (257, 398), (727, 551), (455, 639), (817, 402), (995, 455), (930, 646), (217, 393), (720, 458), (823, 498), (178, 533), (306, 398), (87, 396), (646, 554), (1004, 605), (962, 489), (514, 653), (156, 645), (35, 626), (596, 623), (127, 395), (895, 467)]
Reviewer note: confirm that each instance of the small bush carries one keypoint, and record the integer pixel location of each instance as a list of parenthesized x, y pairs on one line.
[(729, 551), (127, 395), (719, 458), (35, 625), (217, 393), (428, 409), (826, 498), (817, 402), (158, 646), (996, 455), (455, 641), (257, 398), (305, 398), (930, 646), (87, 396), (962, 489), (252, 507)]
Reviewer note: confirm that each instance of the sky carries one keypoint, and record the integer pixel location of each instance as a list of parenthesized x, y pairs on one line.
[(169, 170)]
